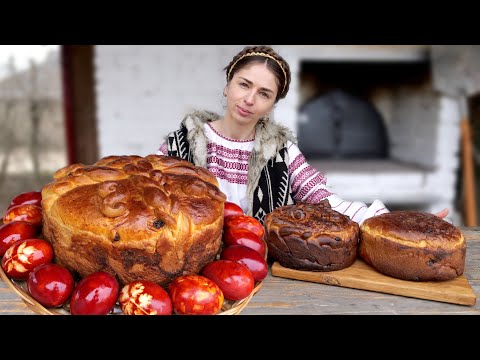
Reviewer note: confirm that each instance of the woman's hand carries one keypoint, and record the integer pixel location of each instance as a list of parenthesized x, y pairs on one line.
[(442, 213)]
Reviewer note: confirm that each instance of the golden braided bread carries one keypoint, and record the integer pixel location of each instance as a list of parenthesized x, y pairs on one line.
[(151, 218)]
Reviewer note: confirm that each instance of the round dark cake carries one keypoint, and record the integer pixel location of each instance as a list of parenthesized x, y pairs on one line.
[(311, 237)]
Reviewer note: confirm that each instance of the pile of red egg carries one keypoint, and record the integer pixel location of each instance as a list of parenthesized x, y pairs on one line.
[(232, 276)]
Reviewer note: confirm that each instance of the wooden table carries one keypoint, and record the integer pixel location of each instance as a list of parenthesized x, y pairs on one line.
[(280, 296)]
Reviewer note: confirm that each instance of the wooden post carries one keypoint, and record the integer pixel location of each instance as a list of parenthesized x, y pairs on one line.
[(470, 209), (80, 103)]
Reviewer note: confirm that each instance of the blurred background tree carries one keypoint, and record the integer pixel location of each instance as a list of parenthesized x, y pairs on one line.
[(32, 140)]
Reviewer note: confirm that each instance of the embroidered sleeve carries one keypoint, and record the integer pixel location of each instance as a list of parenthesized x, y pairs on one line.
[(162, 150), (356, 210), (310, 185)]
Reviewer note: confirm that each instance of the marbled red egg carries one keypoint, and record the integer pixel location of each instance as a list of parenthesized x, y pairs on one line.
[(143, 297), (25, 212), (195, 295), (23, 256)]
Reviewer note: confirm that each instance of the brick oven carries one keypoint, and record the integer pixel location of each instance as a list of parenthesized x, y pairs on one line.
[(420, 168)]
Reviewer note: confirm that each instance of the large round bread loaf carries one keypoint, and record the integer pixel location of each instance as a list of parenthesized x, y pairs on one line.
[(311, 237), (412, 245), (152, 218)]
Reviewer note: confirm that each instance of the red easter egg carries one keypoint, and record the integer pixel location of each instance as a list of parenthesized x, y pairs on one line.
[(15, 231), (233, 278), (240, 236), (143, 297), (195, 295), (244, 222), (25, 212), (29, 197), (230, 208), (247, 257), (23, 256), (50, 284), (95, 294)]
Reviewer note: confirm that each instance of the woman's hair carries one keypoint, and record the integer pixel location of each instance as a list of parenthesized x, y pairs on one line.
[(275, 63)]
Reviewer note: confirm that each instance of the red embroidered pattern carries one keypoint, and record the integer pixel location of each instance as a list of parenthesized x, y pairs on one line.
[(234, 178), (316, 180), (163, 149), (318, 195), (302, 176), (219, 150), (226, 164), (296, 163)]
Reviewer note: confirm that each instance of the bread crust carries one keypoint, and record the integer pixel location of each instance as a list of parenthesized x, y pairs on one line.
[(150, 218), (413, 245), (311, 237)]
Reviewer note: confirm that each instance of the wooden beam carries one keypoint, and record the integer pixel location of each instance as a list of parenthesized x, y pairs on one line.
[(79, 103), (470, 210)]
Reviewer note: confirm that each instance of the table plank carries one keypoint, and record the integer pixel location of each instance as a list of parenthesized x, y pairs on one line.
[(280, 296), (295, 297)]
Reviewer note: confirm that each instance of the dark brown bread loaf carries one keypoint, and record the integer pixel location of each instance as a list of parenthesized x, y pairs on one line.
[(151, 218), (311, 237), (411, 245)]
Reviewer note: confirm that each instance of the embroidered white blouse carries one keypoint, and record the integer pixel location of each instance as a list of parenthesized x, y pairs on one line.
[(228, 158)]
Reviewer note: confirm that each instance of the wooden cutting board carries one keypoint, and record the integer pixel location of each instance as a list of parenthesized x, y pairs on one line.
[(362, 276)]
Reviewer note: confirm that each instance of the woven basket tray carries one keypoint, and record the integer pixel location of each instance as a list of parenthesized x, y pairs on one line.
[(20, 288)]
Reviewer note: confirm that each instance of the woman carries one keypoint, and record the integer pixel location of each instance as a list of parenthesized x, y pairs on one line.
[(257, 161)]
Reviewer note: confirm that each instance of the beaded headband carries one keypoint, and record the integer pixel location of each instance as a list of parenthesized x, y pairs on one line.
[(264, 55)]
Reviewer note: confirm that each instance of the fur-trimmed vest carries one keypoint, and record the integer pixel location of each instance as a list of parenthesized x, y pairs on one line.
[(268, 183)]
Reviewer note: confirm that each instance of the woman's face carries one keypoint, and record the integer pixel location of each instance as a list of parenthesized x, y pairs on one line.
[(251, 93)]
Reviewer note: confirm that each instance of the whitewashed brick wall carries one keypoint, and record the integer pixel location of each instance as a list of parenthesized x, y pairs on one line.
[(143, 91)]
